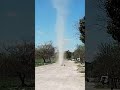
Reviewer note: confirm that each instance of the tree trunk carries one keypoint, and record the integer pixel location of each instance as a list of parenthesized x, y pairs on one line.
[(44, 59), (22, 79), (50, 59)]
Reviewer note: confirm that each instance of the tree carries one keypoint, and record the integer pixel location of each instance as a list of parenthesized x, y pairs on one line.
[(107, 60), (82, 29), (45, 51), (18, 60), (113, 8), (68, 54), (80, 53)]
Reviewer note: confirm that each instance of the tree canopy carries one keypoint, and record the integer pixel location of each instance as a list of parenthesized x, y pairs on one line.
[(113, 8), (68, 54), (80, 52), (45, 51), (17, 60), (107, 60), (82, 29)]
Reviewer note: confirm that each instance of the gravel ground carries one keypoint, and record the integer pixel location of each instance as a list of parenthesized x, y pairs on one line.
[(56, 77)]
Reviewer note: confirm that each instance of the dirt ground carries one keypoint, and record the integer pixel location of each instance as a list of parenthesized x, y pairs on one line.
[(56, 77), (90, 86)]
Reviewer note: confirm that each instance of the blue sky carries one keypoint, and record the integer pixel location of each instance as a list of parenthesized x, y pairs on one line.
[(45, 19)]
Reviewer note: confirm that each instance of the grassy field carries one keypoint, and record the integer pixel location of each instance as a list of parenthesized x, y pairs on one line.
[(39, 62)]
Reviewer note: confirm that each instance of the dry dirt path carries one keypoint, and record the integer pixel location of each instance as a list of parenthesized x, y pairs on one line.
[(56, 77)]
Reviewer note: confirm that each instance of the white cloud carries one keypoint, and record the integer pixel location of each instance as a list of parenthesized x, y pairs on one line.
[(38, 32)]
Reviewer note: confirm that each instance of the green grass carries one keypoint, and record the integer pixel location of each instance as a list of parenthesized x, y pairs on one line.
[(40, 62)]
